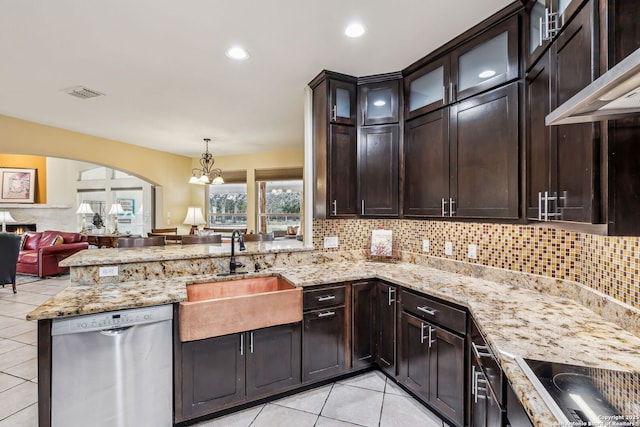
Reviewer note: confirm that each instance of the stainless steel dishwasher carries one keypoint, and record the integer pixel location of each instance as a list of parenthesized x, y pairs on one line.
[(113, 369)]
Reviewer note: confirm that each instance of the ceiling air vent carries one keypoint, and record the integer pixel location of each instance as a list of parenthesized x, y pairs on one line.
[(82, 92)]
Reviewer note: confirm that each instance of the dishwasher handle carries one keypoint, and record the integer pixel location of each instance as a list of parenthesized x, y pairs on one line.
[(114, 332)]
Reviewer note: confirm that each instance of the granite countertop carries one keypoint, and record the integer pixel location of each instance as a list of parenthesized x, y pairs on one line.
[(111, 256), (514, 321)]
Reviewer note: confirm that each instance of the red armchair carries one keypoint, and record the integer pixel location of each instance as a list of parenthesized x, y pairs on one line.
[(42, 251)]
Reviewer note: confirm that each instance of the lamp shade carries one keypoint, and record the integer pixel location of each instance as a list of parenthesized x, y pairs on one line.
[(194, 216), (116, 209), (5, 217), (84, 208)]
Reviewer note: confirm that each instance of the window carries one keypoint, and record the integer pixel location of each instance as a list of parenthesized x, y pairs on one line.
[(280, 205), (227, 205)]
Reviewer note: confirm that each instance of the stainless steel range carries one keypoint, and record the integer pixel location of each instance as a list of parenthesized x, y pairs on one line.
[(583, 396)]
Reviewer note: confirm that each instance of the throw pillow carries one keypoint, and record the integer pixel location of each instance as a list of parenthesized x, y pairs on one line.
[(57, 241)]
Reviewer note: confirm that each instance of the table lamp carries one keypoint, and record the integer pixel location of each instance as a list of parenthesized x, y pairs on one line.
[(5, 217), (116, 209), (194, 218), (83, 210)]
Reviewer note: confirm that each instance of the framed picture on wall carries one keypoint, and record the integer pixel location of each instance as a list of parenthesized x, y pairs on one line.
[(17, 185), (128, 206)]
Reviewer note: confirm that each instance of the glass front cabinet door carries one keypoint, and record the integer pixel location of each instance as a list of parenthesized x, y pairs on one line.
[(489, 60), (427, 88), (342, 102), (379, 102)]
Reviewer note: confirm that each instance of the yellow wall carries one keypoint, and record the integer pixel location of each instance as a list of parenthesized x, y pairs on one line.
[(250, 162), (38, 163), (169, 171)]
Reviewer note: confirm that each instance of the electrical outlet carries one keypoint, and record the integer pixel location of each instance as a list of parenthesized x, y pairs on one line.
[(448, 248), (473, 251), (108, 271), (425, 246), (331, 242)]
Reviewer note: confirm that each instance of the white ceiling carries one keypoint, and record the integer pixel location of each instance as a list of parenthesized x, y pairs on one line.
[(168, 83)]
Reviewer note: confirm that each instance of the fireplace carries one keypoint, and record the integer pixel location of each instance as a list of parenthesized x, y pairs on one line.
[(20, 228)]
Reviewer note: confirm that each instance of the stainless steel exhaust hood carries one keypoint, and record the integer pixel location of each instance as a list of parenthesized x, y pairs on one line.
[(613, 95)]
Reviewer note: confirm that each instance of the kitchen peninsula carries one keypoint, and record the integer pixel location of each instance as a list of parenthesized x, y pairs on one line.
[(519, 315)]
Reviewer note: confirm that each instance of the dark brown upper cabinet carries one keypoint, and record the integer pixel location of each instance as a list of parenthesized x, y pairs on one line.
[(562, 165), (484, 155), (335, 145), (487, 61), (462, 161), (427, 89), (342, 102), (379, 102), (426, 164), (544, 21), (378, 166)]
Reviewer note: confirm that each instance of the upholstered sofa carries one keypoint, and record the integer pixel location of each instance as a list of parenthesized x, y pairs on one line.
[(41, 251)]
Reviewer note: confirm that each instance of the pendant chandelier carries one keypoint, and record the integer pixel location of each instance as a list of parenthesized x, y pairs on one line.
[(206, 174)]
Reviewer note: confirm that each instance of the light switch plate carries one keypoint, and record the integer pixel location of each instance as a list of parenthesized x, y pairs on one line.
[(448, 248), (108, 271), (331, 242), (473, 251), (425, 246)]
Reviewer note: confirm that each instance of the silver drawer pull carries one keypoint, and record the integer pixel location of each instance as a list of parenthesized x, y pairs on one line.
[(326, 298), (481, 350), (429, 311), (326, 314)]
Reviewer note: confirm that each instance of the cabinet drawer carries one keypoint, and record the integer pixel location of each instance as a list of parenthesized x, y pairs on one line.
[(435, 312), (486, 360), (324, 297)]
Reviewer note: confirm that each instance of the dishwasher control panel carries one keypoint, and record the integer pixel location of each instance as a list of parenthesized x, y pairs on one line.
[(112, 319)]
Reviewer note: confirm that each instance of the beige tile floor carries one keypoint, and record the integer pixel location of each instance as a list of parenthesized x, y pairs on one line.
[(366, 400)]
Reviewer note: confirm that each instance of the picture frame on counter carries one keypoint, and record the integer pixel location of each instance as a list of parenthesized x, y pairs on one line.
[(17, 185)]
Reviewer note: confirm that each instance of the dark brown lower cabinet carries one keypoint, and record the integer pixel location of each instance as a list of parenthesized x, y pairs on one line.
[(273, 360), (432, 365), (225, 371), (385, 326), (323, 344), (213, 374), (362, 322)]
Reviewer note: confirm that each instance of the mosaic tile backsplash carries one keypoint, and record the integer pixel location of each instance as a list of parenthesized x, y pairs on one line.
[(610, 265)]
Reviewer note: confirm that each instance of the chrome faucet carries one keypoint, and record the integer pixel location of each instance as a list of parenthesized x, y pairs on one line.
[(232, 262)]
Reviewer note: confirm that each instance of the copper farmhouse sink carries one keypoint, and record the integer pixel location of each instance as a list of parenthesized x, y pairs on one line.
[(219, 308)]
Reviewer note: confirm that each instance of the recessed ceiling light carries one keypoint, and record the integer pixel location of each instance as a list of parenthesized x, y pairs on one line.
[(486, 74), (379, 103), (238, 53), (354, 30)]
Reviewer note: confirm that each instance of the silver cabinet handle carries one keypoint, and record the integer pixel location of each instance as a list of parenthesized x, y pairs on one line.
[(540, 26), (429, 311), (334, 113), (251, 342), (444, 204), (431, 331), (451, 203), (241, 344), (362, 207), (540, 202), (451, 98), (327, 314), (326, 298), (422, 337), (335, 207), (481, 350), (391, 296), (480, 379)]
